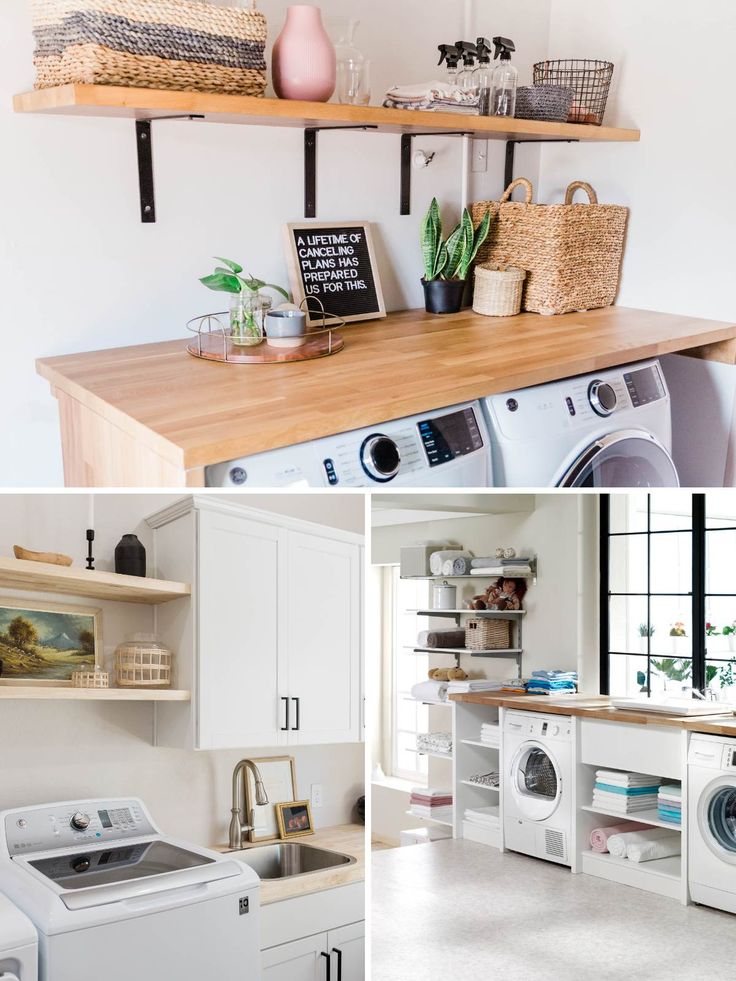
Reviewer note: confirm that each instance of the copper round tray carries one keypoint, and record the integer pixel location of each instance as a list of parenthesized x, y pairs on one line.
[(212, 342)]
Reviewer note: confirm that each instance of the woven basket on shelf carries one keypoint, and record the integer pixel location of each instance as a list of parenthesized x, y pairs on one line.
[(143, 662), (498, 291), (547, 102), (484, 634), (571, 252), (90, 679), (159, 44)]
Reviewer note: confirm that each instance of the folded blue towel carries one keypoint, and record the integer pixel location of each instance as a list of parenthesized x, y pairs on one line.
[(670, 818), (627, 791)]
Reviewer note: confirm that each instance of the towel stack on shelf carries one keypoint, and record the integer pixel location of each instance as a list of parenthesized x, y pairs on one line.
[(501, 567), (490, 733), (475, 684), (625, 793), (434, 742), (484, 817), (434, 805), (552, 683), (432, 97), (669, 803)]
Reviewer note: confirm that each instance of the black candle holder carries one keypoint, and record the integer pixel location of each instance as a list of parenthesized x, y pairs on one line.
[(90, 539)]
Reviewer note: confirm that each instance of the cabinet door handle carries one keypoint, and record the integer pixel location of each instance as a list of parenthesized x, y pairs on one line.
[(328, 964), (298, 714), (286, 727), (336, 950)]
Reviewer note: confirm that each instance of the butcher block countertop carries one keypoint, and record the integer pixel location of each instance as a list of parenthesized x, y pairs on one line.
[(346, 838), (599, 707), (192, 413)]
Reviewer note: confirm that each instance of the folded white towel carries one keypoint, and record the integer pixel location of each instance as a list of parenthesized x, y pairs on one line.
[(429, 92), (502, 570), (430, 691), (620, 779), (645, 846)]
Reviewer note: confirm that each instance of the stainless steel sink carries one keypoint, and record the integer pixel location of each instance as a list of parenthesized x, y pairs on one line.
[(286, 859)]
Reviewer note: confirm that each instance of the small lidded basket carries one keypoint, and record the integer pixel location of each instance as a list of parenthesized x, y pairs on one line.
[(143, 662), (498, 290), (484, 634)]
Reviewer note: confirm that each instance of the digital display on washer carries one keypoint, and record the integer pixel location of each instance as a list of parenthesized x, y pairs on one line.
[(104, 817), (450, 436), (644, 386)]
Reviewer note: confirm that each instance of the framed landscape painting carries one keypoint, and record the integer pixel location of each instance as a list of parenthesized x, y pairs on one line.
[(43, 643)]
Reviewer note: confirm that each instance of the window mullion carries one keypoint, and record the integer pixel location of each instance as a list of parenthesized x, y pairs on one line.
[(604, 601), (699, 563)]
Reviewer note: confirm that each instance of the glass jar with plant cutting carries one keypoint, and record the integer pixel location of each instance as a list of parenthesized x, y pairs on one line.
[(678, 636), (645, 634), (248, 305), (448, 263), (729, 631)]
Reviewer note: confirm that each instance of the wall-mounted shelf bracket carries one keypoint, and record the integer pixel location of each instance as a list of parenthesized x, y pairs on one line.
[(146, 185), (407, 143), (508, 173), (310, 165)]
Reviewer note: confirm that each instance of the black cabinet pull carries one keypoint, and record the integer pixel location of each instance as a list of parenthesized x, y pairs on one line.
[(328, 965), (298, 714), (336, 950), (286, 727)]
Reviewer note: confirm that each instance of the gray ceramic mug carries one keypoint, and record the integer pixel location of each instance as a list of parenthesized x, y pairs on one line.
[(286, 328)]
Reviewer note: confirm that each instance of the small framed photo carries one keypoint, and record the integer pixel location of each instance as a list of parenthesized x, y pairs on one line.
[(295, 819), (44, 643)]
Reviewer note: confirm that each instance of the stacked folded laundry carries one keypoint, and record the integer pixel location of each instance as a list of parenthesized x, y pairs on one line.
[(434, 742), (490, 733), (552, 683), (432, 692), (486, 779), (453, 638), (434, 805), (645, 846), (501, 567), (477, 684), (625, 793), (484, 817), (669, 803), (432, 97)]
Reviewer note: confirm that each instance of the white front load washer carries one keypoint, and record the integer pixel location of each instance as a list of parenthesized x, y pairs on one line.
[(711, 813), (446, 448), (608, 429), (113, 899), (537, 785), (18, 944)]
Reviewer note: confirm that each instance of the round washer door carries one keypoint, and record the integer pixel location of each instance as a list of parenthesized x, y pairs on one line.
[(629, 458), (535, 782), (717, 819)]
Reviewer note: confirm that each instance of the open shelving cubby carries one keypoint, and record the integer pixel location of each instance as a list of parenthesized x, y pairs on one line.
[(474, 757)]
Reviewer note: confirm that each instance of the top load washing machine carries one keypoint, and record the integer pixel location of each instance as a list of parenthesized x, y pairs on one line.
[(608, 429), (446, 448), (18, 945), (113, 899)]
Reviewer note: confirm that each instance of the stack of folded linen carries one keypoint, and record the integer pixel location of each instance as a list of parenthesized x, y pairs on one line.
[(432, 97), (645, 846), (490, 733), (432, 692), (552, 683), (477, 684), (501, 567), (625, 793), (434, 742), (435, 805), (484, 817), (669, 803), (486, 779)]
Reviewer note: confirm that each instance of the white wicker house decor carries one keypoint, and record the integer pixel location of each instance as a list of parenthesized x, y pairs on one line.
[(143, 662)]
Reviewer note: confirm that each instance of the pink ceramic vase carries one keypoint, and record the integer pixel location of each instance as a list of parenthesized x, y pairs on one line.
[(304, 62)]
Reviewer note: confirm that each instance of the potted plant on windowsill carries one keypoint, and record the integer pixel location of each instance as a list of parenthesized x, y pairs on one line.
[(248, 306), (729, 631), (678, 636), (645, 633), (447, 263)]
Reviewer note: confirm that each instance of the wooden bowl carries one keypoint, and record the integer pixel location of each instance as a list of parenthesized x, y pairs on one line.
[(50, 558)]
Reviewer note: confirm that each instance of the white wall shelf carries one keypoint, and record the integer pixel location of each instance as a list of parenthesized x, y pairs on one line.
[(420, 817), (478, 742), (644, 817), (662, 876), (481, 786)]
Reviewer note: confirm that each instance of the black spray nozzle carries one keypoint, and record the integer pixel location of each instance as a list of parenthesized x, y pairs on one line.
[(504, 47), (483, 47), (450, 54), (468, 52)]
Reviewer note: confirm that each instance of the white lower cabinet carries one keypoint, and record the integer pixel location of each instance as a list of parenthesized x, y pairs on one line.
[(347, 946), (338, 955)]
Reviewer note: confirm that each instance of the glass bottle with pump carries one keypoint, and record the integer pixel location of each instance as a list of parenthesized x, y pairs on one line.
[(484, 76), (450, 54), (505, 80), (467, 80)]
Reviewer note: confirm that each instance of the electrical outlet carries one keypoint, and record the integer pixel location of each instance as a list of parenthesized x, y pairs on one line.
[(480, 156), (316, 795)]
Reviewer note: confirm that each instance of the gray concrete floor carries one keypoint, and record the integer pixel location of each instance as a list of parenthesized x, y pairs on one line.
[(458, 911)]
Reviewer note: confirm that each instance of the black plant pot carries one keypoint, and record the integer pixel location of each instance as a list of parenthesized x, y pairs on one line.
[(130, 557), (443, 295)]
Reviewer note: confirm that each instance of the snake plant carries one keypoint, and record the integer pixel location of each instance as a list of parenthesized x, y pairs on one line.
[(450, 259)]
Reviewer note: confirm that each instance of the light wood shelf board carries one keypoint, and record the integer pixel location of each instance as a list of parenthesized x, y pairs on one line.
[(38, 692)]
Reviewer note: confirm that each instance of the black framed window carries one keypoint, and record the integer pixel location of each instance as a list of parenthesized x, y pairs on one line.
[(667, 569)]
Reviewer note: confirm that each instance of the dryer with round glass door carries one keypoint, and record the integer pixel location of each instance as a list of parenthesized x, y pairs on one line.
[(712, 821), (537, 785)]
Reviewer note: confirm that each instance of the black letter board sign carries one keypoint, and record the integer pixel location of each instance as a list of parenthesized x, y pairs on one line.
[(335, 263)]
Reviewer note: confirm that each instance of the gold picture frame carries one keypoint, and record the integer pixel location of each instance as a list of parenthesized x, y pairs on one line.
[(279, 779), (291, 815)]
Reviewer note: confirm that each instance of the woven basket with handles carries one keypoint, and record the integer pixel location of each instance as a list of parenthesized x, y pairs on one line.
[(484, 634), (159, 44), (572, 252)]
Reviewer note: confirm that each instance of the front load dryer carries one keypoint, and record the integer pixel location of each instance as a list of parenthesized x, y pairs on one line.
[(711, 813), (608, 429)]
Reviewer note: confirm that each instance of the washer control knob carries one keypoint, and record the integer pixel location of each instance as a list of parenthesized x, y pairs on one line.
[(80, 821), (555, 731), (380, 458), (602, 397), (81, 864)]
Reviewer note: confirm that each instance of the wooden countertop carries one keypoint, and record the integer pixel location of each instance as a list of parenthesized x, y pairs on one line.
[(346, 838), (193, 413), (599, 707)]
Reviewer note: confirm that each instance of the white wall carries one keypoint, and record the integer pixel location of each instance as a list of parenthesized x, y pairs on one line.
[(65, 750), (79, 272)]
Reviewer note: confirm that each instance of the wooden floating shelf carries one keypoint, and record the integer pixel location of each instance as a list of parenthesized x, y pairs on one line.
[(38, 692), (147, 104), (491, 614), (645, 817), (70, 581)]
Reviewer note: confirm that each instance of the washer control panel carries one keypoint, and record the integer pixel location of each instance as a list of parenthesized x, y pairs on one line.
[(39, 829), (447, 437)]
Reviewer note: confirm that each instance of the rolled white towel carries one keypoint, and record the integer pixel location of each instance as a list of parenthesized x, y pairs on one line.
[(430, 691), (438, 559), (645, 846)]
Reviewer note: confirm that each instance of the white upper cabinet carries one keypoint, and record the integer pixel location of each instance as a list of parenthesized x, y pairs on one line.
[(271, 642)]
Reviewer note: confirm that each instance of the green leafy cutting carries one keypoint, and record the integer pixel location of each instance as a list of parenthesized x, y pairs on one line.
[(227, 279)]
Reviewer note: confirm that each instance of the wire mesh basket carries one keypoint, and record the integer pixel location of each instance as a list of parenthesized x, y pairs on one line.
[(590, 81)]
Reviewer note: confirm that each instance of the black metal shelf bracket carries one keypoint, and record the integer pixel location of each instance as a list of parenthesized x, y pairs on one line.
[(407, 143), (508, 173), (310, 164), (144, 145)]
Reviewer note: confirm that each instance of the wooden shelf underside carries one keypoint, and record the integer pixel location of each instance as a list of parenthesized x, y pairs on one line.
[(38, 692), (459, 651), (489, 614)]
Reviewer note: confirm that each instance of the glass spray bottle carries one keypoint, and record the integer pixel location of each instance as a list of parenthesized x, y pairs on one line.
[(505, 79), (484, 76)]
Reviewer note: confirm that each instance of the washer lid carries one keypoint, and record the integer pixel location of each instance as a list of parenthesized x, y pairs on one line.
[(627, 458), (536, 783)]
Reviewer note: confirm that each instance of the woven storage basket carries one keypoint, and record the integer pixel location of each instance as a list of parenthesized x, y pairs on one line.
[(484, 634), (571, 252), (549, 102), (159, 44), (90, 679), (590, 81), (498, 291), (143, 662)]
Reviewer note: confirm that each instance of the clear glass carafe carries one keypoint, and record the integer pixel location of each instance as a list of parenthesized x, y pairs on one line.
[(353, 87), (248, 311)]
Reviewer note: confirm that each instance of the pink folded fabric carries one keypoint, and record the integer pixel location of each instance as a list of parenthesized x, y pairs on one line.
[(599, 836)]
